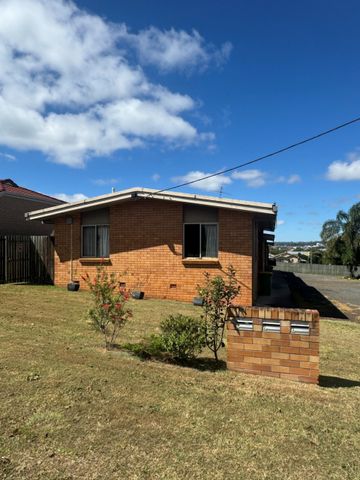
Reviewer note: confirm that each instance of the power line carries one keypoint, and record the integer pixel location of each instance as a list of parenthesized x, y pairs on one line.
[(263, 157)]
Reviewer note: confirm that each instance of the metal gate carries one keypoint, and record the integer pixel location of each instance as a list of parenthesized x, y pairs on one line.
[(25, 258)]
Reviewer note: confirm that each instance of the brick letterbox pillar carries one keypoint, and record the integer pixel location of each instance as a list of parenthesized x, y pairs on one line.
[(276, 342)]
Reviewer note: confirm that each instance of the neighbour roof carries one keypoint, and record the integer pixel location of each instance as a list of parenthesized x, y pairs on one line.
[(137, 192), (9, 187)]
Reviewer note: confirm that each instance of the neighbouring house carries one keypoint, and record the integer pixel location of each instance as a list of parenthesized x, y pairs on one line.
[(161, 242), (14, 202)]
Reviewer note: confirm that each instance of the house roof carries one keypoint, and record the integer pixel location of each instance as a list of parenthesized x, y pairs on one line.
[(268, 209), (9, 187)]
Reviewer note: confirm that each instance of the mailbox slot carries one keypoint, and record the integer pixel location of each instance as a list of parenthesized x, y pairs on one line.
[(271, 326), (243, 323), (300, 328)]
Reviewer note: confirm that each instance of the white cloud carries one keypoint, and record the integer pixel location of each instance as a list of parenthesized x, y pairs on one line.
[(280, 222), (345, 170), (155, 177), (102, 182), (8, 157), (75, 197), (176, 49), (69, 87), (212, 184), (291, 179), (253, 178), (294, 179)]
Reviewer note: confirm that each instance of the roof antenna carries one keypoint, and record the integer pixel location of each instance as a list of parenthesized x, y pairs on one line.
[(220, 191)]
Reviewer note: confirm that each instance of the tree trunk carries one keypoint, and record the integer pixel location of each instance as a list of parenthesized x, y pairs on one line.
[(351, 268)]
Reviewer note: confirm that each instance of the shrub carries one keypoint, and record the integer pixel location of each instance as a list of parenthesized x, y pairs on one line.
[(151, 347), (182, 337), (108, 313), (217, 295)]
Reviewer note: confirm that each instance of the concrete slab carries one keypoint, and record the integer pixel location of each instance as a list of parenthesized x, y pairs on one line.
[(280, 293)]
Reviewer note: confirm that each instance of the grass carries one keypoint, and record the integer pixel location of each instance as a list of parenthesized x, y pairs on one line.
[(70, 410)]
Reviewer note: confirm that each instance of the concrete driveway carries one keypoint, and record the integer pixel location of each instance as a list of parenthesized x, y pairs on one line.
[(343, 294)]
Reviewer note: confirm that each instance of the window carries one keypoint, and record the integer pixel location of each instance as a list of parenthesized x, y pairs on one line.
[(200, 240), (200, 231), (95, 233), (95, 241)]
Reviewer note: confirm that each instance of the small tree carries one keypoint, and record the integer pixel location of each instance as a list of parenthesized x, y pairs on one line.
[(217, 294), (108, 313)]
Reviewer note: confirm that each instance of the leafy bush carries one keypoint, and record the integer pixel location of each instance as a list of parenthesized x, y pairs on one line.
[(182, 337), (151, 347), (108, 313)]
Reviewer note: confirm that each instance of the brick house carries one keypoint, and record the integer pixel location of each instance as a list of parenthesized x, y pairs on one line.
[(161, 242), (14, 202)]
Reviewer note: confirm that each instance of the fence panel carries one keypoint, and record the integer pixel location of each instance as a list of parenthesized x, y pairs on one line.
[(340, 270), (43, 258), (25, 258), (2, 259)]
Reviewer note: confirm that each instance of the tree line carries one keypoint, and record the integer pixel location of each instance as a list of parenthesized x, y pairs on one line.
[(341, 238)]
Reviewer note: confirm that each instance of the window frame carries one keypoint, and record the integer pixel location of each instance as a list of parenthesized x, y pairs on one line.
[(96, 225), (201, 224)]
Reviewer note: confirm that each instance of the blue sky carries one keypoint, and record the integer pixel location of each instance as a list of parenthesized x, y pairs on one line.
[(101, 94)]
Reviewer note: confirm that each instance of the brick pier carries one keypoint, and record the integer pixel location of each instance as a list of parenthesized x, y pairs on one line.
[(275, 342)]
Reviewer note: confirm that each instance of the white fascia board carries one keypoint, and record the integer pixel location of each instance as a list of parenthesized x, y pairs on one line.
[(266, 208), (104, 200), (269, 236)]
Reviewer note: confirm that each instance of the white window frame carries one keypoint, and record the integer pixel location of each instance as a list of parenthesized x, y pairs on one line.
[(201, 223), (82, 239)]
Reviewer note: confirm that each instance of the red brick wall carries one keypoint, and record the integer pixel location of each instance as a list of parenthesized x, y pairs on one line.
[(283, 355), (146, 239)]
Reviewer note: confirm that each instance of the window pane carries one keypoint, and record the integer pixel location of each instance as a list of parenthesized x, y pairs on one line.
[(192, 240), (89, 247), (103, 241), (209, 246)]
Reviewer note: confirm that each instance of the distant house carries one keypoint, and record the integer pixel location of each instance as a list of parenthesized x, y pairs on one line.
[(161, 243), (293, 256), (14, 202)]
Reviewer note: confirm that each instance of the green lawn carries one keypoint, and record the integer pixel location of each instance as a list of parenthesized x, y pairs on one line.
[(70, 410)]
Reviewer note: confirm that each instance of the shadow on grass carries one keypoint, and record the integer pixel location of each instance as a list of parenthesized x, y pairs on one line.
[(141, 351), (306, 296), (328, 381), (205, 364)]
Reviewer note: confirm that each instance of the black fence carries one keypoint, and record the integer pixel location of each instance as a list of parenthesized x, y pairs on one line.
[(25, 258)]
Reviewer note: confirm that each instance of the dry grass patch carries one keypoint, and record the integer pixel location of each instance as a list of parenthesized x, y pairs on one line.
[(70, 410)]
